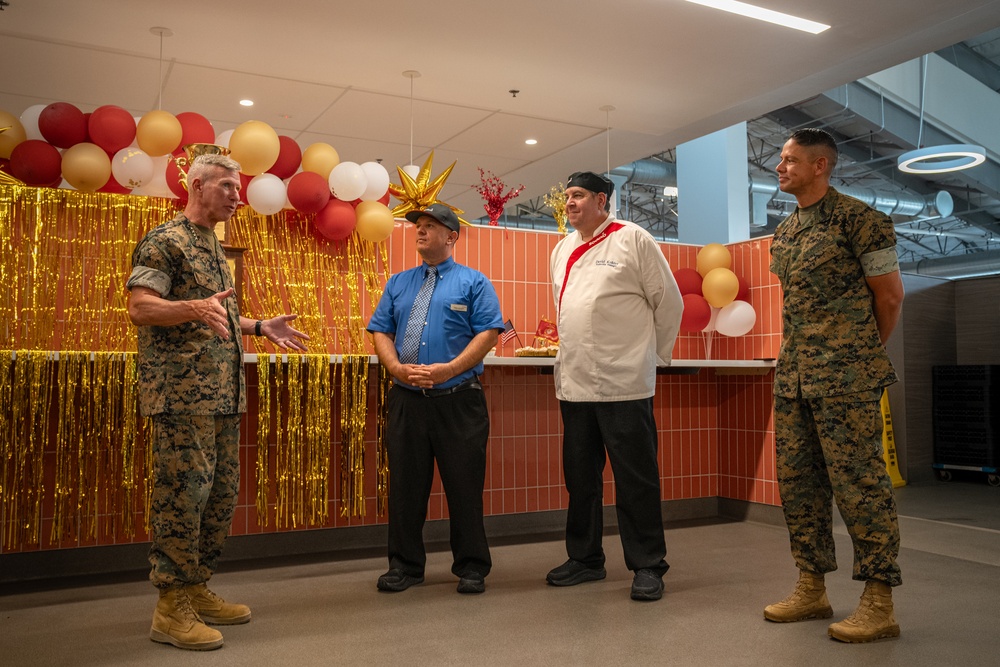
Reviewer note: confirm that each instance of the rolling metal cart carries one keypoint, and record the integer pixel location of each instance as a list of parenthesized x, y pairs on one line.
[(966, 413)]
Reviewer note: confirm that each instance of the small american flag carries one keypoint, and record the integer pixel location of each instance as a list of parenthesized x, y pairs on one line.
[(508, 332)]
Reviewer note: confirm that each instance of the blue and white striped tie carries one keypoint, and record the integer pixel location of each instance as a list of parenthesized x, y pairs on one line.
[(418, 318)]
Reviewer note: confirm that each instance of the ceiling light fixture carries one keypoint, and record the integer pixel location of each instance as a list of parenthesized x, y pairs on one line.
[(531, 142), (246, 103), (761, 14), (937, 159), (941, 159), (411, 169)]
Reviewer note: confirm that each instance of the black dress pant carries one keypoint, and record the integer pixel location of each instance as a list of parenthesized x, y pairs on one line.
[(453, 429), (626, 431)]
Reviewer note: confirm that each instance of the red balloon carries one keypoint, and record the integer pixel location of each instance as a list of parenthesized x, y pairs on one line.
[(384, 199), (337, 220), (112, 128), (113, 187), (174, 181), (62, 125), (744, 292), (697, 313), (289, 158), (688, 281), (308, 192), (244, 183), (36, 162), (195, 129)]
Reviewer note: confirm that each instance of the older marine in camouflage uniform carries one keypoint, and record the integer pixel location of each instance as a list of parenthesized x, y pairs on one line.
[(836, 260), (191, 382)]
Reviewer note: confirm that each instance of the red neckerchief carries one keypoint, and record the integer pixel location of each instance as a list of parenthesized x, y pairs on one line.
[(580, 251)]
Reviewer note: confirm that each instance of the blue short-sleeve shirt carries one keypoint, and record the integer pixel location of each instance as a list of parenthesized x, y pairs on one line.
[(463, 305)]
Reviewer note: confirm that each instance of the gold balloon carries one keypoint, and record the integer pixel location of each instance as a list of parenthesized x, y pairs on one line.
[(86, 167), (713, 256), (158, 133), (320, 159), (255, 145), (11, 133), (720, 287), (375, 221), (419, 193)]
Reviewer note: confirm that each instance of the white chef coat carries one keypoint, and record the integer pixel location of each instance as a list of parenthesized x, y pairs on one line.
[(618, 315)]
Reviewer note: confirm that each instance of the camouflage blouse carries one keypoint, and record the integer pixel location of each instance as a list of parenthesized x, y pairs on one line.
[(831, 343), (187, 368)]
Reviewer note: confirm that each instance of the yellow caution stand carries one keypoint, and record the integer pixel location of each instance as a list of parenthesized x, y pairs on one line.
[(889, 444)]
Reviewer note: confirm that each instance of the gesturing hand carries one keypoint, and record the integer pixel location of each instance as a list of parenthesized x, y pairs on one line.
[(210, 311), (279, 332)]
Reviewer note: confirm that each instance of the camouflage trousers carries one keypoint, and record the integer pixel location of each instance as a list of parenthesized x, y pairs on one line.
[(196, 477), (832, 447)]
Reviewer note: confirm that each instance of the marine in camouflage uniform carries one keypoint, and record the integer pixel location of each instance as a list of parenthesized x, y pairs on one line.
[(191, 382), (835, 257), (828, 384)]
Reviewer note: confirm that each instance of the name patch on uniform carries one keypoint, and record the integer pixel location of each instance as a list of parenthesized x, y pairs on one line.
[(607, 262), (460, 307)]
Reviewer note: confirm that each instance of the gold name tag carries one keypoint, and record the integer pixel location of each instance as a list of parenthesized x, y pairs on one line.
[(460, 307)]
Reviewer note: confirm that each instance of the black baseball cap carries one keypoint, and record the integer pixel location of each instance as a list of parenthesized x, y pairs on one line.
[(440, 212)]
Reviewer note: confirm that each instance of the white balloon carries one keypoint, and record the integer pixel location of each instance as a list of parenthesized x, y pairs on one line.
[(736, 319), (223, 139), (132, 167), (378, 181), (29, 119), (710, 327), (266, 194), (157, 186), (412, 171), (347, 181)]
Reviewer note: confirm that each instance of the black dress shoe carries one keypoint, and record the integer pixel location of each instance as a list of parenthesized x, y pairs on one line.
[(573, 572), (471, 583), (395, 580), (647, 585)]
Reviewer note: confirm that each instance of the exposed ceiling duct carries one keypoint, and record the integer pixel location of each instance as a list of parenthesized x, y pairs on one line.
[(971, 265), (765, 188)]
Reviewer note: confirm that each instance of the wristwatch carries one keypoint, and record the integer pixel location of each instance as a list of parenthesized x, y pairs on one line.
[(256, 329)]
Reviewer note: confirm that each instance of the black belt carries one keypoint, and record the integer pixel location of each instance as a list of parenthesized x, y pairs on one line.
[(471, 383)]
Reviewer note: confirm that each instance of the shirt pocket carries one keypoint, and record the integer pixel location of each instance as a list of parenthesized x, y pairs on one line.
[(457, 314), (206, 274)]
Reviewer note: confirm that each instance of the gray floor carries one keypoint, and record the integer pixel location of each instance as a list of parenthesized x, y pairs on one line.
[(320, 613)]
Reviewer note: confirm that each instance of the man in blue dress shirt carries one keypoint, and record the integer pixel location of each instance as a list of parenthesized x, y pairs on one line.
[(432, 328)]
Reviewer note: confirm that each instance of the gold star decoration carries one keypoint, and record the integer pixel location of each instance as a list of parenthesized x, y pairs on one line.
[(417, 194)]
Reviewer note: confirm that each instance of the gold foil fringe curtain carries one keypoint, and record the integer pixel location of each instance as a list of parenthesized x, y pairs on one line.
[(295, 272), (73, 452)]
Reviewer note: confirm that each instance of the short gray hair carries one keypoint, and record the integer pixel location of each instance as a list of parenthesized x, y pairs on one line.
[(201, 165)]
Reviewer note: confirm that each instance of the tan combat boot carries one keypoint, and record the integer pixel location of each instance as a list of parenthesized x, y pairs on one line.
[(808, 600), (873, 619), (175, 622), (214, 610)]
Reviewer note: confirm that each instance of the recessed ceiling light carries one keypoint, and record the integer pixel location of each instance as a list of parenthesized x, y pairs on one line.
[(761, 14), (246, 103), (531, 142)]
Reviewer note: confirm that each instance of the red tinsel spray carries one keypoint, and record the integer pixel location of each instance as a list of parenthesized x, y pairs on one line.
[(492, 192)]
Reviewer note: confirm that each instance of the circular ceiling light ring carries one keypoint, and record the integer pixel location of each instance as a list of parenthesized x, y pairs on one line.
[(941, 159)]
